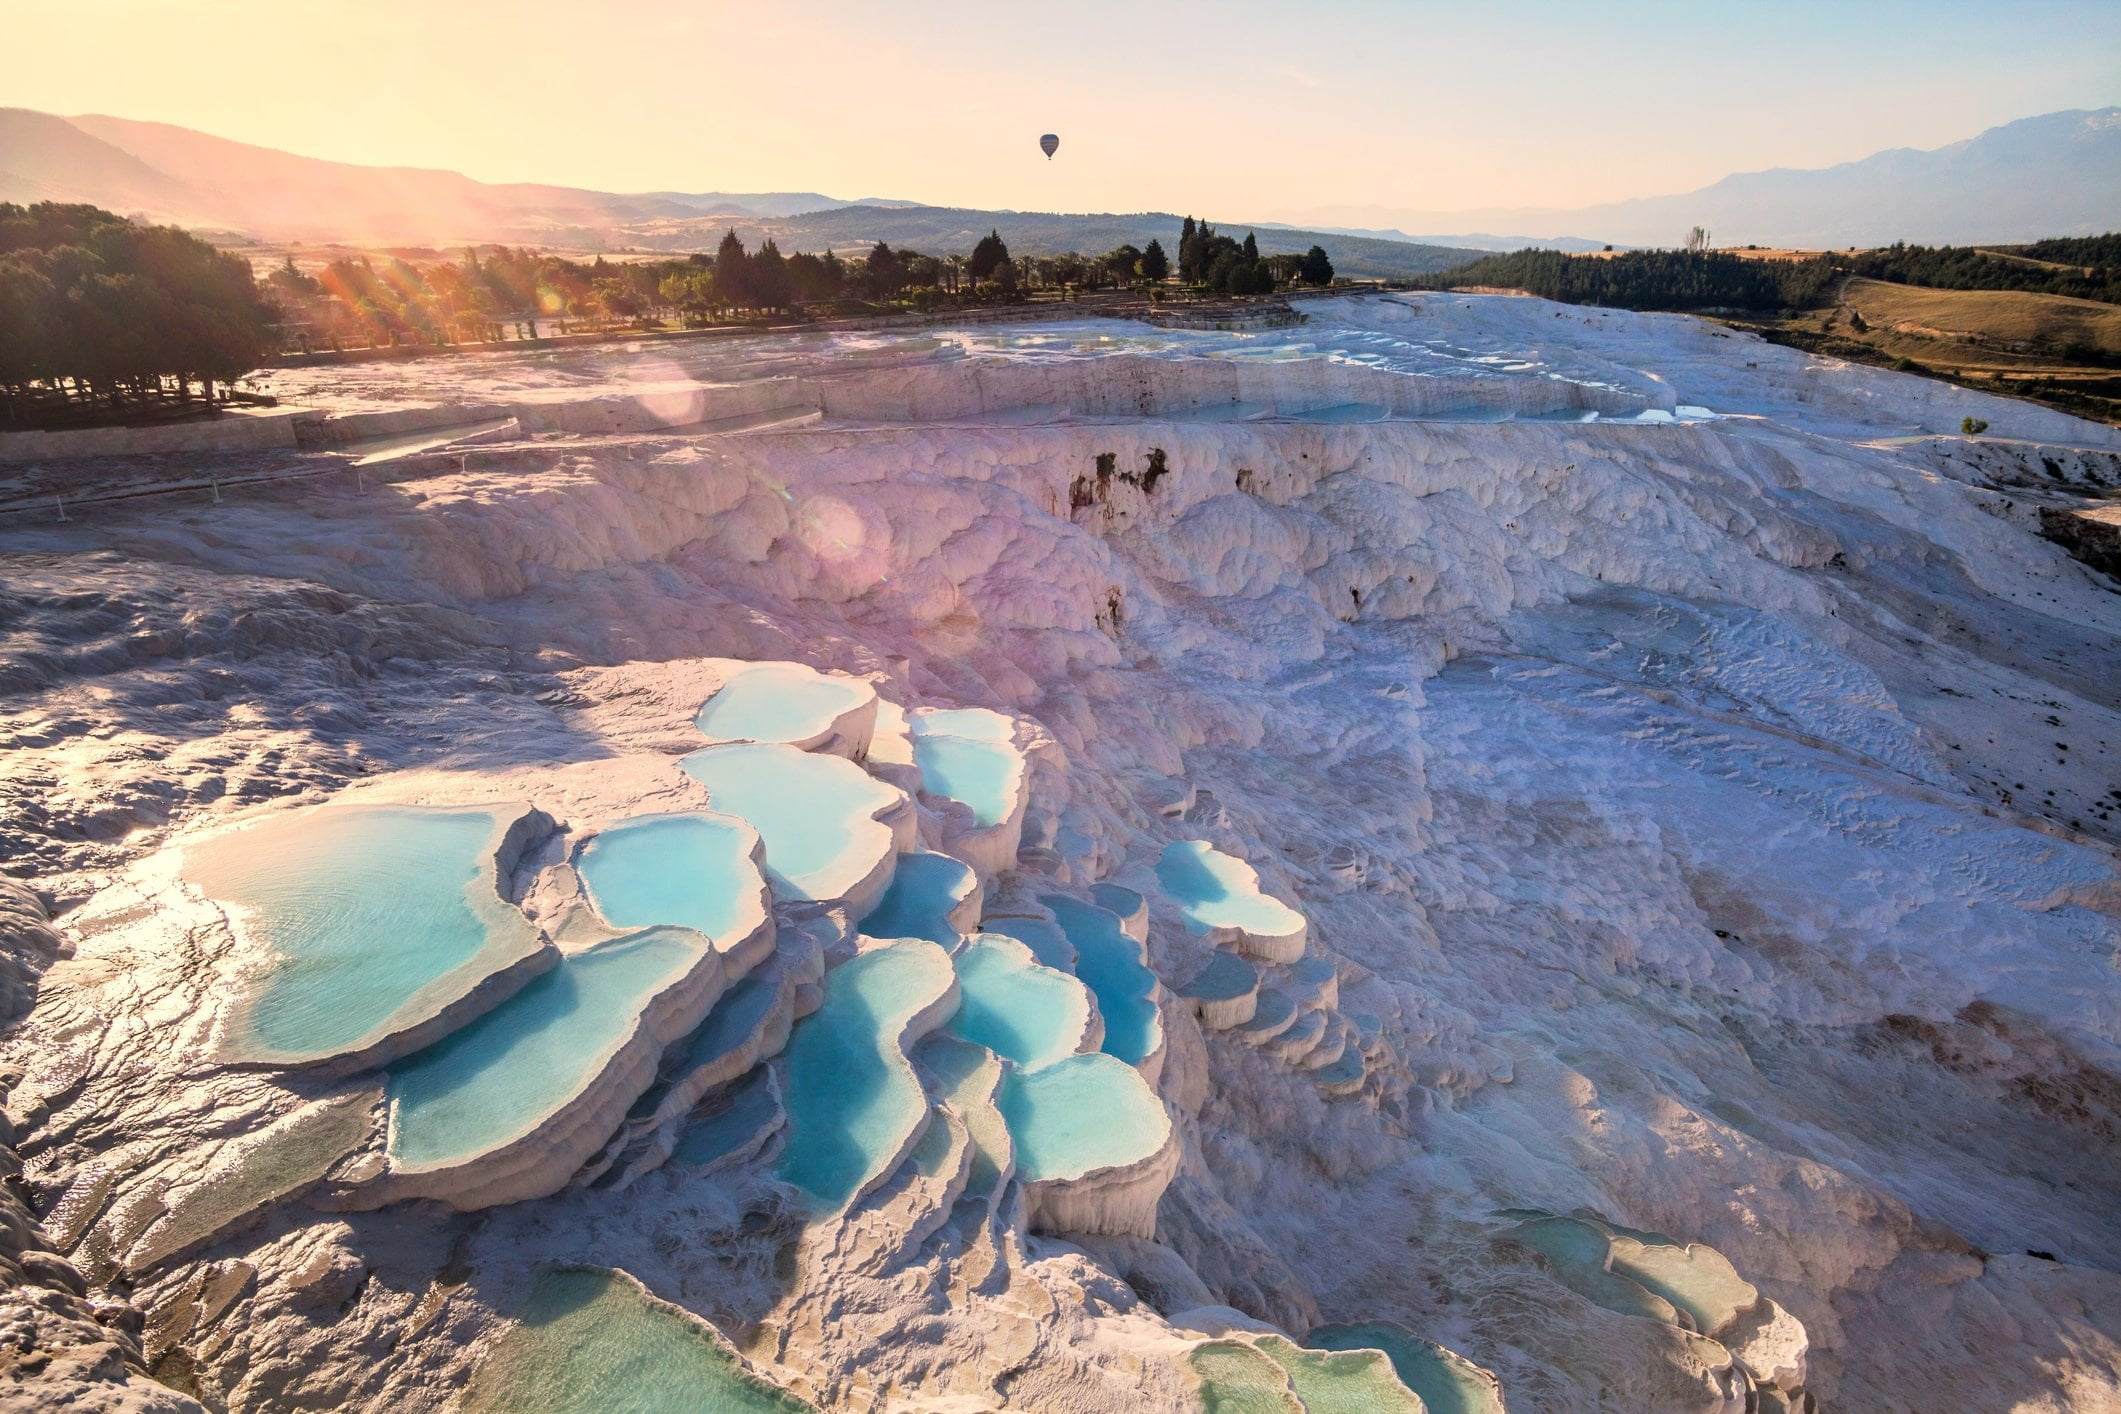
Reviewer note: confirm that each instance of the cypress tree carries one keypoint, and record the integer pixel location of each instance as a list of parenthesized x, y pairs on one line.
[(988, 256), (732, 272), (1155, 265)]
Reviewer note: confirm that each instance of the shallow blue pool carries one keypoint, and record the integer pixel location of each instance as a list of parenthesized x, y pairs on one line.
[(817, 814), (779, 702), (1016, 1007), (1079, 1114), (1110, 964), (852, 1097), (967, 756), (686, 871), (375, 917), (924, 890), (1217, 890), (498, 1077)]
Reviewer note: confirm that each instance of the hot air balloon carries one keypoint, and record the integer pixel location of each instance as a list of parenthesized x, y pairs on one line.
[(1048, 143)]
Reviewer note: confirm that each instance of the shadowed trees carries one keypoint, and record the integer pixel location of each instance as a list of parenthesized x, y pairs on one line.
[(1155, 265), (95, 310), (1207, 257), (99, 313), (988, 256), (1653, 279)]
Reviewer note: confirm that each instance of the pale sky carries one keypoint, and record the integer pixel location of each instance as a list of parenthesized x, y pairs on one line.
[(1243, 109)]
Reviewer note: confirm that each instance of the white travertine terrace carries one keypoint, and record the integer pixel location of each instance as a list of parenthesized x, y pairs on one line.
[(1086, 1169), (1565, 736), (986, 831), (1219, 894), (1758, 1347), (537, 1154), (286, 944), (1125, 904), (792, 704), (833, 834), (1225, 992)]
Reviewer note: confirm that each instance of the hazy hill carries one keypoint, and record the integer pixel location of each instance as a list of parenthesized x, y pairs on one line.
[(174, 174), (191, 178), (2054, 175), (2058, 174), (43, 158)]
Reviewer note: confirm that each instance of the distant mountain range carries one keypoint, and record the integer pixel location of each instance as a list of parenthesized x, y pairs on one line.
[(2054, 175), (193, 179), (2048, 176), (172, 174)]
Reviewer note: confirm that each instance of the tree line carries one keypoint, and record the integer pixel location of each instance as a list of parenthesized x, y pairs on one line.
[(2083, 267), (99, 316), (1210, 259), (2086, 267), (1653, 279)]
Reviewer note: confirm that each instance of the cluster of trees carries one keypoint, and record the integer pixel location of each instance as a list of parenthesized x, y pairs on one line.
[(1653, 279), (1209, 258), (99, 314), (494, 292), (2075, 250), (2085, 267), (489, 293)]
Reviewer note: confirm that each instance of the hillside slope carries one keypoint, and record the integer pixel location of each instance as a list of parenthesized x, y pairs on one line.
[(167, 173), (2056, 174)]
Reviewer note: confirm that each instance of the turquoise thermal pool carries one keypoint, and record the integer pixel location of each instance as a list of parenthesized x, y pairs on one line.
[(970, 1078), (377, 917), (1081, 1114), (590, 1341), (1110, 964), (739, 1127), (1216, 890), (1340, 1382), (1576, 1254), (1048, 943), (1698, 1280), (499, 1077), (968, 756), (1016, 1007), (1448, 1383), (853, 1100), (688, 871), (780, 702), (925, 890), (817, 814), (736, 1017)]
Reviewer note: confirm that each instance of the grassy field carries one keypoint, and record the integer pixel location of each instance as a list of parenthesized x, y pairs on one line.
[(2060, 351), (2000, 320)]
